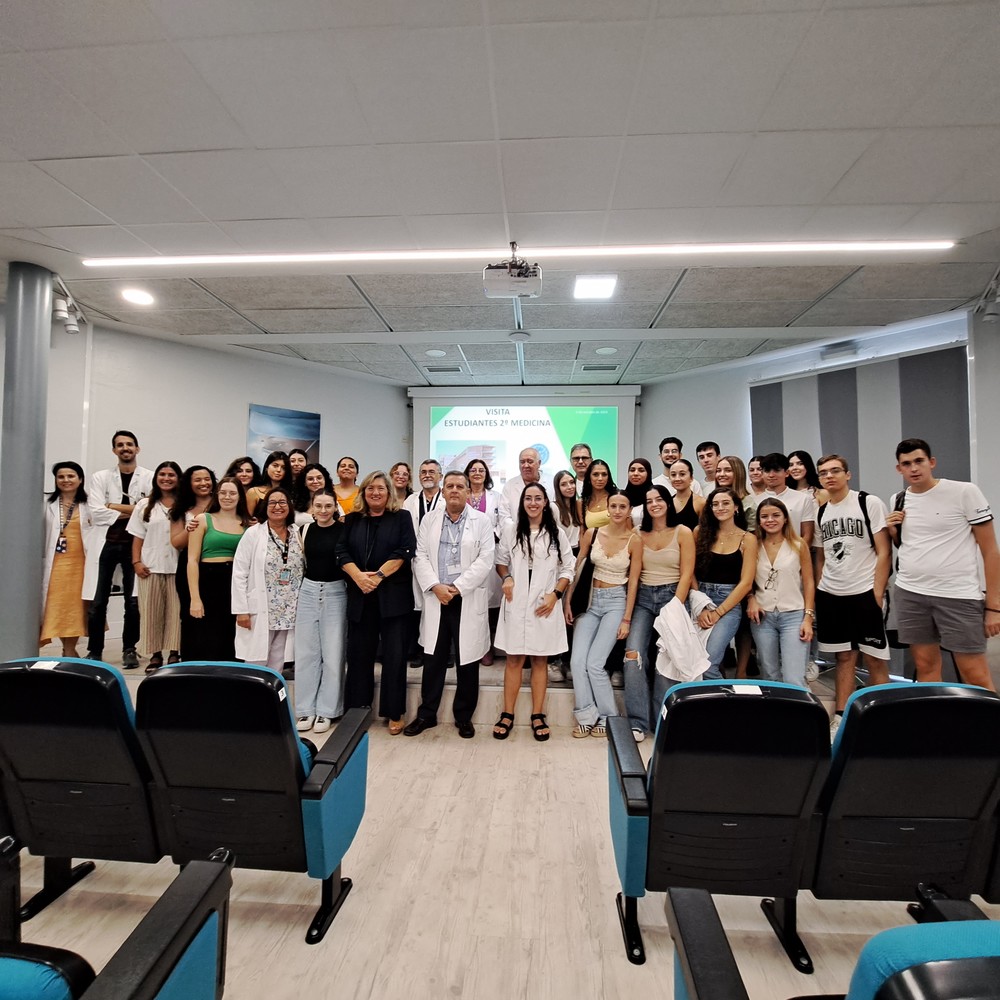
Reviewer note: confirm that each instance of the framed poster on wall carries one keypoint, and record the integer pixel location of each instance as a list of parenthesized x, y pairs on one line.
[(275, 428)]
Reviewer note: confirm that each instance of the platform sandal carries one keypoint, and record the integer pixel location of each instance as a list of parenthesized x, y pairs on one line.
[(503, 726), (538, 724)]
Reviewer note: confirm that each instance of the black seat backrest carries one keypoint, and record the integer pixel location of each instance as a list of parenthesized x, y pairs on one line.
[(912, 792), (226, 761), (74, 777), (734, 777)]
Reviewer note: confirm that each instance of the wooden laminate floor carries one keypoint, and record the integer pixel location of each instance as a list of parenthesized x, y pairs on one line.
[(482, 869)]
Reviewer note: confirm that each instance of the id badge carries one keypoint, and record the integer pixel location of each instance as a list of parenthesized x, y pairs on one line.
[(61, 545), (454, 569), (285, 577)]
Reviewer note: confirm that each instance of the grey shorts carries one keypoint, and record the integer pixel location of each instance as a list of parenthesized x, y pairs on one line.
[(955, 623)]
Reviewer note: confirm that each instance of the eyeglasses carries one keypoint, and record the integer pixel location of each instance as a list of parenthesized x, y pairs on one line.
[(375, 489), (771, 583), (831, 472), (277, 503), (580, 458)]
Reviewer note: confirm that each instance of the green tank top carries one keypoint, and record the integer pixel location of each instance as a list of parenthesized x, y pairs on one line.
[(218, 544)]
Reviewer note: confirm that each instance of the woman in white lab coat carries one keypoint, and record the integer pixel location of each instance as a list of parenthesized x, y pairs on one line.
[(535, 565)]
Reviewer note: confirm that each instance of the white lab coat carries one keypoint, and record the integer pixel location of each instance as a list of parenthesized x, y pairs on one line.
[(249, 595), (103, 488), (88, 531), (493, 513), (520, 630), (476, 556), (682, 641), (412, 504)]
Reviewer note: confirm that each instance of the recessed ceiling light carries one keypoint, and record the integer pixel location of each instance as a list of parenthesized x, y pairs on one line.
[(606, 350), (595, 286), (539, 253), (137, 296), (436, 353)]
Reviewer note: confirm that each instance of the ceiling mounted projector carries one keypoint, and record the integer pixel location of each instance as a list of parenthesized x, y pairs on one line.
[(512, 279)]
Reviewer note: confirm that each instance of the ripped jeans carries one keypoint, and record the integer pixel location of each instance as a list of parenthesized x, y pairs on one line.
[(640, 675)]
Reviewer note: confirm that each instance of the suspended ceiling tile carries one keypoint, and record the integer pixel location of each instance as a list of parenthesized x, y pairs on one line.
[(184, 238), (489, 367), (516, 11), (722, 93), (753, 223), (400, 372), (566, 78), (423, 289), (684, 315), (30, 197), (418, 353), (50, 24), (550, 352), (423, 85), (274, 235), (279, 349), (572, 174), (676, 171), (498, 380), (372, 232), (589, 349), (727, 347), (676, 348), (151, 98), (39, 117), (952, 221), (656, 225), (652, 368), (124, 188), (913, 281), (347, 366), (643, 285), (505, 351), (443, 232), (872, 312), (304, 291), (592, 316), (284, 90), (494, 316), (380, 353), (697, 363), (766, 284), (341, 353), (95, 241), (170, 294), (189, 322), (316, 320), (549, 367), (557, 229), (858, 222)]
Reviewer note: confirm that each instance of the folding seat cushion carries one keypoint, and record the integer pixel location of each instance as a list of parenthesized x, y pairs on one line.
[(912, 793)]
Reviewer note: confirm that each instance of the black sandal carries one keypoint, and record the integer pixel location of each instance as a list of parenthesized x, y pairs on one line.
[(536, 730), (155, 662), (503, 725)]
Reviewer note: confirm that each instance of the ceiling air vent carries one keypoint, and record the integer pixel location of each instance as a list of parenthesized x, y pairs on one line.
[(599, 368), (443, 369)]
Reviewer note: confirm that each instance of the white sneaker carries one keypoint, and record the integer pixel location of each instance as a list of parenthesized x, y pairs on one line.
[(322, 724), (812, 671), (304, 723), (639, 735), (834, 726)]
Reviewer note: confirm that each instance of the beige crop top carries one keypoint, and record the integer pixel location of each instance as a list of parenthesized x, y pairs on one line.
[(612, 570), (661, 566)]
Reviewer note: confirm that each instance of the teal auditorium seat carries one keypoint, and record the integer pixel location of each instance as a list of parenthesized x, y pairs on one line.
[(733, 781), (178, 951), (229, 769), (935, 961), (907, 810), (74, 777)]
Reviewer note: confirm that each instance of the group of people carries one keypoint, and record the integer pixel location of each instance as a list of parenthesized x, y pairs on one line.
[(285, 565)]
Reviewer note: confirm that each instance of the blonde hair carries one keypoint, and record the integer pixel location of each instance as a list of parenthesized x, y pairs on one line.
[(360, 502)]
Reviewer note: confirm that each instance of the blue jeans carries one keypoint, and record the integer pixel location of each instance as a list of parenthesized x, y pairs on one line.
[(320, 628), (781, 654), (723, 631), (594, 635), (640, 673)]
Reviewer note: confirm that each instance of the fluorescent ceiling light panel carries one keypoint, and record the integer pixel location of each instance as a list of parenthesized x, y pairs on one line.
[(137, 296), (538, 253), (595, 286)]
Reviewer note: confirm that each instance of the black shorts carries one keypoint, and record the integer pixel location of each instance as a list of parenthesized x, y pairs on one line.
[(850, 622)]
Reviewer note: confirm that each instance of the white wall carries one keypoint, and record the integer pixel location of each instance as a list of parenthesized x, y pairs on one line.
[(714, 406), (190, 404)]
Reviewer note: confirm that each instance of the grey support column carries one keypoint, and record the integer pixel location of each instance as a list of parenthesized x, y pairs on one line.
[(22, 455)]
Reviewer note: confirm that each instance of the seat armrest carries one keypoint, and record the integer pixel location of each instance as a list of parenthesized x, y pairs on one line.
[(934, 906), (628, 766), (336, 752), (703, 958), (10, 889), (145, 962)]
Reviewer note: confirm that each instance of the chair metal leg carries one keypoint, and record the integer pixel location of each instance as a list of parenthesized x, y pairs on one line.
[(330, 905), (60, 876), (628, 917), (781, 915), (10, 890)]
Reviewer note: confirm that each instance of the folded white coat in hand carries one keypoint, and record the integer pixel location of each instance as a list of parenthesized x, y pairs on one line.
[(682, 655)]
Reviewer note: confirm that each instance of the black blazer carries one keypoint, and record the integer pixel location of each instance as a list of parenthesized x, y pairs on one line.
[(368, 542)]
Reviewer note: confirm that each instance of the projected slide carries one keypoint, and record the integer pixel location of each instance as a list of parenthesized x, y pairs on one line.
[(497, 434)]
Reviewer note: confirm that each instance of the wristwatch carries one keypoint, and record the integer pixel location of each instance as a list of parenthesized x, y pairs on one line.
[(380, 574)]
